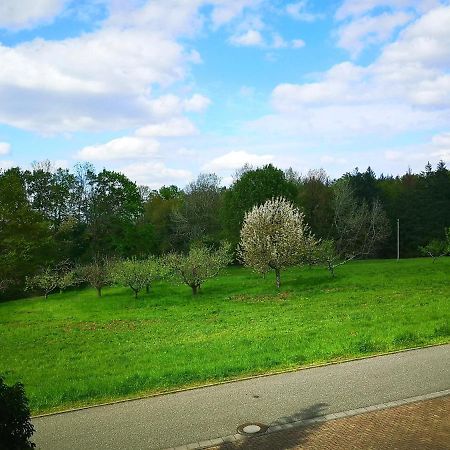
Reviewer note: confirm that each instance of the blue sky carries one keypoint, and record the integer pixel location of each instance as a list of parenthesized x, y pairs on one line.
[(165, 89)]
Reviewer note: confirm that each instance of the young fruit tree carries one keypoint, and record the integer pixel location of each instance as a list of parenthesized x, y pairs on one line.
[(97, 274), (45, 281), (135, 274), (274, 236), (437, 248), (200, 264)]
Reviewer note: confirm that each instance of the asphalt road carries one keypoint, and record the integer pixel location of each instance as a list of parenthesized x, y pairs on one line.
[(211, 412)]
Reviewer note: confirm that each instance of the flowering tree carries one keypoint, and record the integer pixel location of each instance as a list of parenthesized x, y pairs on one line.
[(97, 274), (136, 274), (200, 264), (45, 281), (274, 236)]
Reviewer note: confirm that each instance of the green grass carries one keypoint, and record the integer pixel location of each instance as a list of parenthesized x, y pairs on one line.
[(75, 349)]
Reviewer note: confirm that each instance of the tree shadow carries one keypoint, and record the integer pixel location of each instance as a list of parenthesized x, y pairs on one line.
[(285, 438)]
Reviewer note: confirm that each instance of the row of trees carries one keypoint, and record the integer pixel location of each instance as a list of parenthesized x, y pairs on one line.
[(191, 269), (52, 217)]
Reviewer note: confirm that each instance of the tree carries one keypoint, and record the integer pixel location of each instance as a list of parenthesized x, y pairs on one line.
[(435, 249), (97, 274), (46, 281), (325, 253), (136, 274), (199, 265), (16, 428), (197, 219), (115, 206), (315, 197), (253, 187), (357, 227), (158, 213), (274, 236), (25, 237)]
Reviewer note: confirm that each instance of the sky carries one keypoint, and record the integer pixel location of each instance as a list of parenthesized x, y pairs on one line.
[(163, 90)]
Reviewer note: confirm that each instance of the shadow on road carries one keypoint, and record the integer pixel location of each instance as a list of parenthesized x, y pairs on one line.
[(283, 439)]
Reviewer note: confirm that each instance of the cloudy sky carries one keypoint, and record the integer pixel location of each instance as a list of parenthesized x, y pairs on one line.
[(165, 89)]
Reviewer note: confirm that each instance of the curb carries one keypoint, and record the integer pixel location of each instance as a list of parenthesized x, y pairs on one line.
[(235, 380), (285, 423)]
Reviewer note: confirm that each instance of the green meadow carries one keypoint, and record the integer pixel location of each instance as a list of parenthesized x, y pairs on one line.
[(76, 349)]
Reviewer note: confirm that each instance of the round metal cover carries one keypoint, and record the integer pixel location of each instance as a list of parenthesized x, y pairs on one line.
[(252, 429)]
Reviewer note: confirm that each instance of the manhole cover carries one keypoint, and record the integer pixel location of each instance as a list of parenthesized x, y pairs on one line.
[(252, 429)]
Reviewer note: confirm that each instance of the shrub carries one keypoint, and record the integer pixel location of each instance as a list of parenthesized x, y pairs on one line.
[(16, 428)]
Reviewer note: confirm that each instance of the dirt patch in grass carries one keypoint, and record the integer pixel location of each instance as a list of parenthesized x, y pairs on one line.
[(252, 298)]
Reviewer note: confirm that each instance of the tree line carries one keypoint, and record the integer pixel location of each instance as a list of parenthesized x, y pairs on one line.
[(59, 218)]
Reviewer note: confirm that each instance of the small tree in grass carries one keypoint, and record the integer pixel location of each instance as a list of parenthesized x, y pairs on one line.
[(435, 249), (136, 274), (326, 254), (45, 281), (16, 428), (200, 264), (97, 274), (274, 236)]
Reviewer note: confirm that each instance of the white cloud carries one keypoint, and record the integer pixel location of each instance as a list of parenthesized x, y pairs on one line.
[(298, 43), (247, 91), (250, 38), (254, 38), (102, 80), (197, 103), (357, 8), (441, 146), (406, 88), (373, 22), (278, 41), (20, 14), (226, 10), (155, 174), (179, 126), (121, 148), (367, 30), (298, 11), (236, 159), (6, 164), (442, 140), (5, 148)]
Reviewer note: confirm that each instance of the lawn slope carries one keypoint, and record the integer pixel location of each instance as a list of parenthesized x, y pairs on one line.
[(76, 349)]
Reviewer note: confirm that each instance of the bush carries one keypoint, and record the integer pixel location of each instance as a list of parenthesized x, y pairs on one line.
[(16, 428)]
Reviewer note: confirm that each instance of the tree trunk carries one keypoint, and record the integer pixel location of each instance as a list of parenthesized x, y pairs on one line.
[(99, 292), (147, 288), (46, 295), (135, 293), (277, 275), (330, 269), (194, 289)]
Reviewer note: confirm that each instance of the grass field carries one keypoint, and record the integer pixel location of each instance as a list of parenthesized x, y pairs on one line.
[(76, 349)]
